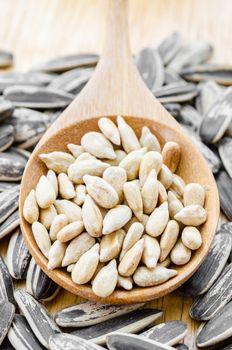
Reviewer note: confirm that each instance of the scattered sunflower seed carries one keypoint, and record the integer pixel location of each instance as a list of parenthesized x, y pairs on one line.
[(209, 92), (7, 311), (225, 151), (176, 92), (190, 116), (39, 284), (132, 322), (18, 256), (8, 202), (12, 165), (90, 313), (224, 183), (41, 322), (170, 76), (222, 75), (21, 335), (6, 109), (4, 185), (6, 59), (181, 347), (173, 108), (71, 342), (11, 223), (169, 47), (6, 283), (6, 137)]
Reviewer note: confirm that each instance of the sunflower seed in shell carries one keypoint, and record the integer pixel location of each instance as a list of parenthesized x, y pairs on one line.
[(5, 185), (150, 67), (158, 220), (65, 63), (220, 293), (181, 347), (170, 76), (39, 285), (12, 165), (41, 237), (77, 247), (6, 137), (131, 163), (120, 341), (217, 119), (59, 162), (68, 208), (211, 268), (110, 131), (8, 202), (176, 92), (98, 145), (225, 149), (191, 54), (90, 313), (110, 245), (72, 81), (129, 139), (116, 218), (190, 116), (169, 333), (220, 74), (169, 47), (149, 140), (7, 314), (79, 169), (41, 322), (37, 97), (145, 277), (11, 223), (21, 335), (18, 256), (217, 329), (131, 322), (209, 93), (6, 283), (6, 109), (71, 342), (224, 183)]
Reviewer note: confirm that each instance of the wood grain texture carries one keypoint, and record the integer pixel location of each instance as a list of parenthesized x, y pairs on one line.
[(38, 30)]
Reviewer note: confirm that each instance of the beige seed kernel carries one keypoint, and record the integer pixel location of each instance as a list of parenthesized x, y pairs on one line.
[(174, 204), (192, 215), (178, 185), (57, 224), (133, 235), (158, 220), (70, 209), (151, 252), (129, 139), (145, 219), (45, 194), (149, 140), (116, 218), (76, 150), (110, 130), (102, 192), (30, 208), (66, 188), (51, 176), (180, 254), (194, 193), (131, 163), (46, 216), (80, 194), (145, 277), (151, 160), (131, 259), (120, 155), (41, 237), (56, 254), (89, 166), (171, 155), (92, 217), (116, 176), (99, 267), (111, 245), (168, 239), (134, 198), (106, 280), (129, 223), (165, 263), (97, 144), (191, 237), (125, 282), (86, 266), (70, 267), (57, 161), (77, 247), (84, 156), (150, 192), (162, 193), (165, 176), (67, 233)]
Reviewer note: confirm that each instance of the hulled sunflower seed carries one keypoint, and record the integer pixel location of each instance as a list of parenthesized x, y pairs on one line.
[(58, 223), (41, 322), (18, 256), (150, 66), (42, 238), (176, 92), (110, 245), (165, 176), (98, 145), (56, 254), (151, 160), (169, 47), (171, 155), (21, 335), (12, 165), (37, 97), (116, 218), (69, 209), (80, 194), (225, 149), (116, 176), (151, 251), (66, 188), (145, 277), (76, 150), (47, 216), (90, 313), (217, 329), (120, 155), (149, 140), (149, 193), (6, 283), (119, 341), (192, 215), (11, 223), (30, 208), (222, 75), (131, 163), (129, 139), (8, 202), (168, 239), (180, 254), (6, 137), (6, 109), (211, 267), (191, 237), (77, 247), (158, 220), (59, 162), (109, 129), (132, 322), (134, 234), (44, 192), (39, 285), (92, 217), (125, 282), (72, 230), (224, 183), (7, 312), (169, 333), (194, 193), (79, 169), (174, 204), (220, 293), (106, 279), (134, 198), (131, 259)]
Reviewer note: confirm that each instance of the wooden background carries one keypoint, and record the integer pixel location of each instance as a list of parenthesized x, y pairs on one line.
[(37, 30)]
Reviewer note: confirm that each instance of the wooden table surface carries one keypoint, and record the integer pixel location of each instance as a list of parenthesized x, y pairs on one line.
[(37, 30)]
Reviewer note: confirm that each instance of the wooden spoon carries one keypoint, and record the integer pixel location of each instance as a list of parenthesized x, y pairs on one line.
[(116, 88)]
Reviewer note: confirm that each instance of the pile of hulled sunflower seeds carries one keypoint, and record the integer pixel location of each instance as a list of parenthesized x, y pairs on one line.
[(195, 92)]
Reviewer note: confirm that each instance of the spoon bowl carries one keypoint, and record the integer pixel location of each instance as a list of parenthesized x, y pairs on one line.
[(117, 89)]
